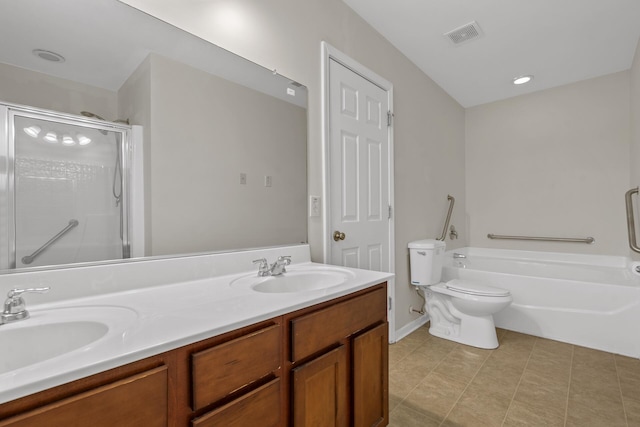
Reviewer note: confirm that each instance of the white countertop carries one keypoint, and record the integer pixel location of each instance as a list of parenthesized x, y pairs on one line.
[(154, 319)]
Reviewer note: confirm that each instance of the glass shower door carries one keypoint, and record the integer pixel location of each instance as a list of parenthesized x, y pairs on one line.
[(68, 188)]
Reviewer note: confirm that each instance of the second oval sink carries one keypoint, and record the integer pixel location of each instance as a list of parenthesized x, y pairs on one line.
[(303, 280)]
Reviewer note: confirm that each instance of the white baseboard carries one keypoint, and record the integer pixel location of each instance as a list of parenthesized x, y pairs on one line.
[(411, 326)]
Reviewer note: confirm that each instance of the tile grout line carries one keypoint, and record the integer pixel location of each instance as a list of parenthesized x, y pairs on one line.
[(416, 386), (504, 420), (466, 387), (566, 407), (624, 409)]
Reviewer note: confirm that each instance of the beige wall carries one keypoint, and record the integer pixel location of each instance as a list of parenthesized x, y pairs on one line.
[(552, 163), (21, 86), (197, 201), (429, 125)]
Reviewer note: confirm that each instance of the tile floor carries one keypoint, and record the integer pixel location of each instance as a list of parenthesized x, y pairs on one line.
[(527, 381)]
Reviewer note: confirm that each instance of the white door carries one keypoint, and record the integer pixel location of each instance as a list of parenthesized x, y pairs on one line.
[(359, 171)]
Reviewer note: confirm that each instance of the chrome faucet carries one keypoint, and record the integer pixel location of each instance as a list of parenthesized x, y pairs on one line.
[(276, 269), (279, 267), (457, 255), (15, 307), (263, 268)]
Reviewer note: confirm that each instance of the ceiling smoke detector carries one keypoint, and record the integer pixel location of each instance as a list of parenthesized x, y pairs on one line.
[(47, 55), (464, 34)]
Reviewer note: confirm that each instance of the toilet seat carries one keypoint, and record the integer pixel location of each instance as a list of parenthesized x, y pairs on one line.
[(475, 288)]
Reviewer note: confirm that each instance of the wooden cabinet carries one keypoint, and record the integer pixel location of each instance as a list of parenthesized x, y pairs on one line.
[(225, 368), (139, 400), (320, 391), (339, 362), (260, 407), (324, 365), (370, 377)]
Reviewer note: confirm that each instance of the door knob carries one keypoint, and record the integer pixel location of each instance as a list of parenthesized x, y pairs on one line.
[(337, 235)]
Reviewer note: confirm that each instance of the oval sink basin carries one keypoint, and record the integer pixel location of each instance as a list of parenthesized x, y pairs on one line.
[(300, 280), (48, 334)]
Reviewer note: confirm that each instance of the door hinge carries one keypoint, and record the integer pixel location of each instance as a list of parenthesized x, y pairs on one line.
[(390, 211), (390, 304), (389, 118)]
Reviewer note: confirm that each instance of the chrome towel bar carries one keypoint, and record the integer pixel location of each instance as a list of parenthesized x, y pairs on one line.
[(452, 201), (588, 240), (631, 225), (29, 258)]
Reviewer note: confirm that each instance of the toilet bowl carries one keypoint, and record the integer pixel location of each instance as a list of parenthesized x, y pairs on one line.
[(459, 310)]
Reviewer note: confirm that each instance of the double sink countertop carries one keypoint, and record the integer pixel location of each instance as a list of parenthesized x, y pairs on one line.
[(113, 329)]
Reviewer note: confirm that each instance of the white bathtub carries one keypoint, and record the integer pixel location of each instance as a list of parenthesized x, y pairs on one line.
[(592, 301)]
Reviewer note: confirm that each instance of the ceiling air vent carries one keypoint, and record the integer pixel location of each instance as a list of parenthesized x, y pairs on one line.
[(466, 33)]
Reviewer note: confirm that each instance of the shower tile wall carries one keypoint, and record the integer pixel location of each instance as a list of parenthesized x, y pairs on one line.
[(55, 183), (53, 192)]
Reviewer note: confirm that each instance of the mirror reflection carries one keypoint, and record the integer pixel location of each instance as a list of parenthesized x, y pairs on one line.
[(224, 140)]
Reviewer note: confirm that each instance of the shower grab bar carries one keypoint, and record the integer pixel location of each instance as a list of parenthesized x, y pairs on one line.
[(451, 200), (29, 258), (587, 240), (631, 225)]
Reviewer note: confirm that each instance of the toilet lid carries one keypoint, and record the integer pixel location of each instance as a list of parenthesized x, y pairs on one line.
[(475, 288)]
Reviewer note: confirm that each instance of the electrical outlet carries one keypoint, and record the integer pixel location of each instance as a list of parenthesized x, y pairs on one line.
[(268, 180), (243, 178), (315, 205)]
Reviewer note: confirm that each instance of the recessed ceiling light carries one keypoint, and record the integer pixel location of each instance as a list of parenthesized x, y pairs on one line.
[(51, 137), (83, 140), (67, 140), (522, 80), (32, 131), (47, 55)]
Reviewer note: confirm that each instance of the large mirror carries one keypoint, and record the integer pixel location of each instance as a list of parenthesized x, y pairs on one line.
[(224, 139)]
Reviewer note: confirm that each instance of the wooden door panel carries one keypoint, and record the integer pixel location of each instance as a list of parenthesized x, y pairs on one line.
[(320, 391), (371, 377)]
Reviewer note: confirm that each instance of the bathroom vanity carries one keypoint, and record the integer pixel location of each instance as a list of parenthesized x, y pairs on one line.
[(297, 357)]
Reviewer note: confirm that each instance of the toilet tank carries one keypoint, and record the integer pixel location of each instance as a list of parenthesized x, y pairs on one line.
[(426, 258)]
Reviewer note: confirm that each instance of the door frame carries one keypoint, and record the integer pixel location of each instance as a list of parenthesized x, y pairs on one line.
[(329, 53)]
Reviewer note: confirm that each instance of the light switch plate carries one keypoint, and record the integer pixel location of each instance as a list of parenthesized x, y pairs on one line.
[(315, 205)]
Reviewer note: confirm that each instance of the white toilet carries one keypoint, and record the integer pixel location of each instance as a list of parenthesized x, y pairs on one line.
[(459, 310)]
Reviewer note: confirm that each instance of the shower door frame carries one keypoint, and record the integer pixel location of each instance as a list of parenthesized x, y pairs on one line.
[(8, 112)]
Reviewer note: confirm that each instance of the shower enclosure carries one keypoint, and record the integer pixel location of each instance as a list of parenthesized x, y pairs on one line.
[(64, 188)]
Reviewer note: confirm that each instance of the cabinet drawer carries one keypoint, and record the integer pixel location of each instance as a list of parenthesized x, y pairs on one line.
[(313, 332), (222, 369), (260, 407), (139, 400)]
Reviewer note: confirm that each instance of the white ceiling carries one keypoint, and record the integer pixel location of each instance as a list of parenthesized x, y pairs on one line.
[(104, 41), (558, 41)]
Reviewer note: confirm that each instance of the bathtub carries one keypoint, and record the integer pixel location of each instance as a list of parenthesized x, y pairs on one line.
[(587, 300)]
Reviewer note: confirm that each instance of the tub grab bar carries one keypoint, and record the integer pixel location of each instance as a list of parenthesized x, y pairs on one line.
[(587, 240), (451, 200), (29, 258), (631, 226)]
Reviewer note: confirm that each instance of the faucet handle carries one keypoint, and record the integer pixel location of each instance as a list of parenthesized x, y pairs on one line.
[(13, 293), (15, 307), (263, 268), (285, 259)]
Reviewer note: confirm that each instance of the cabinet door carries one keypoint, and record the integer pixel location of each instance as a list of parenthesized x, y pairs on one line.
[(371, 377), (320, 391), (140, 400)]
